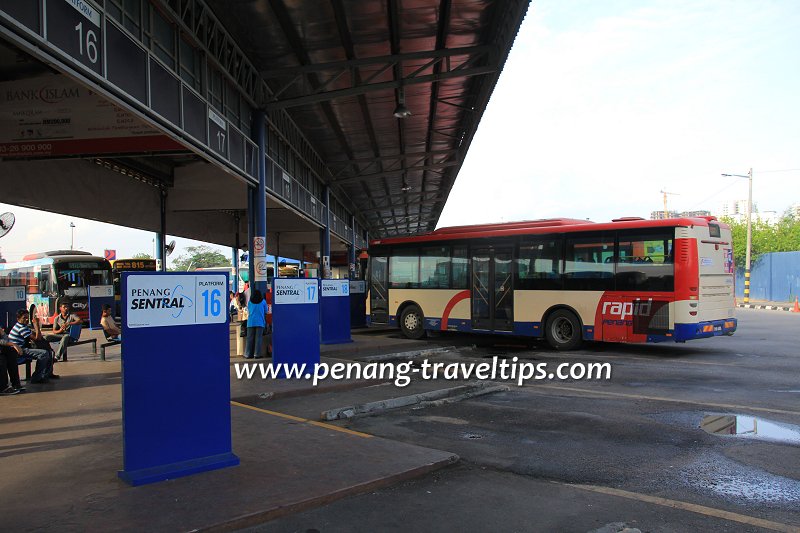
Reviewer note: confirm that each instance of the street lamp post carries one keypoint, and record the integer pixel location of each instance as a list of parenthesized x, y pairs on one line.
[(749, 176), (72, 235)]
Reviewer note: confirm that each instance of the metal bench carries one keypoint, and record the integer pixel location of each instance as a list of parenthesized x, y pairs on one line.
[(106, 345), (75, 333)]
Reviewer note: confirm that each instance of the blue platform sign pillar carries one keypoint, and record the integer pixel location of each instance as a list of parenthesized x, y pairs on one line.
[(12, 299), (335, 311), (99, 295), (295, 322), (176, 413), (358, 303)]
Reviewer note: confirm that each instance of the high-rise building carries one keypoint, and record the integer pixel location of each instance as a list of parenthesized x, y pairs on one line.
[(736, 208), (659, 215)]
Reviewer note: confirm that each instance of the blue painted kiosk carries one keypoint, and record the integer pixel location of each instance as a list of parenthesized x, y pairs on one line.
[(295, 321), (335, 311), (358, 304), (176, 414), (99, 295)]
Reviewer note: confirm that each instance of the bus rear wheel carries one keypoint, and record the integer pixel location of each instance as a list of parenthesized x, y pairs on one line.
[(563, 330), (411, 322)]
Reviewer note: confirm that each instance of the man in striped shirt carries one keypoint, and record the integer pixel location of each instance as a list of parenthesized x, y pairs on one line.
[(22, 336)]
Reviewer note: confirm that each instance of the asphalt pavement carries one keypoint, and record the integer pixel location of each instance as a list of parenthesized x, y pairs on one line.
[(580, 455), (621, 454)]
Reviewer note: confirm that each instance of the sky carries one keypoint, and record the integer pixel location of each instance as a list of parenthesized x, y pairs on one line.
[(600, 106)]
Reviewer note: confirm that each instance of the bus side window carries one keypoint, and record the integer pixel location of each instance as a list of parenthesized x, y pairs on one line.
[(584, 263), (539, 265), (44, 281)]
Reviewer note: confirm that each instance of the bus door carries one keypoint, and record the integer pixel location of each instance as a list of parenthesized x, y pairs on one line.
[(492, 290), (379, 289)]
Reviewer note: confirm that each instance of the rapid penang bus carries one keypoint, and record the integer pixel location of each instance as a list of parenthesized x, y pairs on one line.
[(630, 280), (52, 277)]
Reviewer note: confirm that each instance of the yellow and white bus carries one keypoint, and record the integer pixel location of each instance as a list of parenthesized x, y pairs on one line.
[(629, 280), (119, 266)]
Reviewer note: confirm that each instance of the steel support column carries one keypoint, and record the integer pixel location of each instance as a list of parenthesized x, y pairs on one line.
[(161, 236), (351, 252), (251, 232), (235, 262), (325, 237), (260, 204)]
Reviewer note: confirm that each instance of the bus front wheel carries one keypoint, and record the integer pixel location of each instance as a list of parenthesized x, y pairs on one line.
[(563, 330), (411, 322)]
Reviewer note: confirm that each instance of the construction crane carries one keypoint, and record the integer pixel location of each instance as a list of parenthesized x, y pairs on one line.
[(665, 193)]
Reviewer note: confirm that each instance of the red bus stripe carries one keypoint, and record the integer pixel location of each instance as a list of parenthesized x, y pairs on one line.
[(463, 295)]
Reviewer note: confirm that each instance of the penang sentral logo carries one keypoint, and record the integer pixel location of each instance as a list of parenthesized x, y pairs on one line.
[(157, 298), (288, 291)]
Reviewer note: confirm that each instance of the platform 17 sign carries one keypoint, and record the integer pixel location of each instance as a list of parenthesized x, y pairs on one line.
[(176, 300)]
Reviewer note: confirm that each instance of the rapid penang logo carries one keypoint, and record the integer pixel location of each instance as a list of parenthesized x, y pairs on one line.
[(173, 299), (628, 309)]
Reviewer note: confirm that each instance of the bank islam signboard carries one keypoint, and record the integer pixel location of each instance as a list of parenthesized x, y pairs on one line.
[(52, 115), (175, 342)]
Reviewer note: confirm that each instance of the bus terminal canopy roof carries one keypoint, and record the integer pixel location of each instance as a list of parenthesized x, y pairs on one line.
[(377, 99), (343, 69)]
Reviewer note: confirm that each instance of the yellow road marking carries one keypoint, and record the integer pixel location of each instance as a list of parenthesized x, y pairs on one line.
[(660, 399), (691, 507), (298, 419)]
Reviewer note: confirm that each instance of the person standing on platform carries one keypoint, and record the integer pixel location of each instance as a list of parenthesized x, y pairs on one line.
[(256, 322)]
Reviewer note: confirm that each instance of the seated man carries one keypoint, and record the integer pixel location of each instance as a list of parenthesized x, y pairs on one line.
[(64, 320), (9, 352), (22, 336), (110, 328)]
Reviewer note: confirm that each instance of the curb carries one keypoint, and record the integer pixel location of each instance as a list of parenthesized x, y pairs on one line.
[(260, 517), (767, 307), (307, 391), (405, 356), (430, 398)]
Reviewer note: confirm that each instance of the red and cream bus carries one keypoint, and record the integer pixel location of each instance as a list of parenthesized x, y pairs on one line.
[(630, 280)]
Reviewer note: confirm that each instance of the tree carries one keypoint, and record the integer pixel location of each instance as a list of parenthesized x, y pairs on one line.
[(200, 257), (784, 236), (142, 255)]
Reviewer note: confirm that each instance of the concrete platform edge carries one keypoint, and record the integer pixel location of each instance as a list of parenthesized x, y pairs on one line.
[(260, 517)]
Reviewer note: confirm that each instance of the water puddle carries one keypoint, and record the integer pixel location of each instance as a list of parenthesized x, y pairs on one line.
[(750, 427)]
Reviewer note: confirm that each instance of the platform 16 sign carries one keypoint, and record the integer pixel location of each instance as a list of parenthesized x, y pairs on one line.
[(176, 300), (74, 26)]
